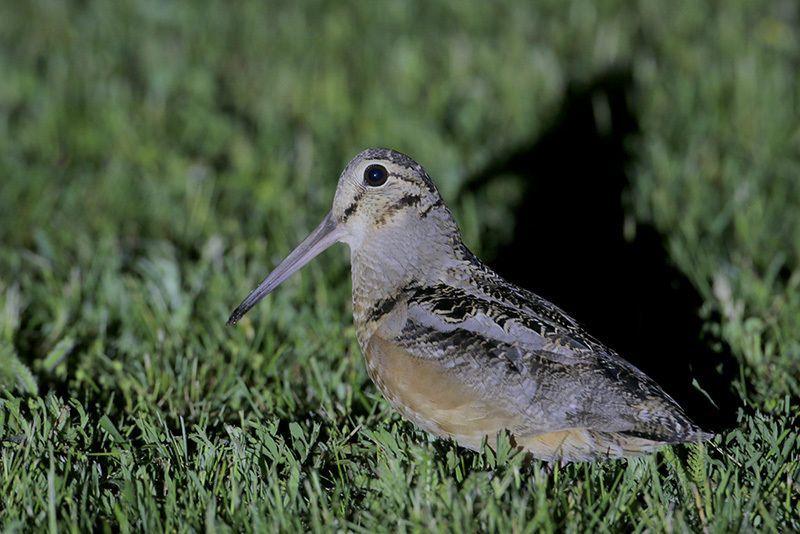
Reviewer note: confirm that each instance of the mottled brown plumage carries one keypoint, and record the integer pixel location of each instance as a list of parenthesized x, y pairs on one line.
[(461, 352)]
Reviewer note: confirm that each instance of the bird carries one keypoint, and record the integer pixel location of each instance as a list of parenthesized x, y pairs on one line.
[(461, 352)]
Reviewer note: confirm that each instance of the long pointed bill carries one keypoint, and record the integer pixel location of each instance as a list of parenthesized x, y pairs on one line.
[(323, 236)]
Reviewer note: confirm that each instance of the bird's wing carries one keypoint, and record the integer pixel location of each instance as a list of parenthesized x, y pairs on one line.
[(531, 325), (540, 365)]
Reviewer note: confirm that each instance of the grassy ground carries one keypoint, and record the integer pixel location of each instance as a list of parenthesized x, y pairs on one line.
[(158, 158)]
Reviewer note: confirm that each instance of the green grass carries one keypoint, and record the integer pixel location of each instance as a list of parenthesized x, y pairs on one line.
[(157, 159)]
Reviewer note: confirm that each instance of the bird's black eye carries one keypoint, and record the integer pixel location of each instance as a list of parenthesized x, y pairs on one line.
[(375, 175)]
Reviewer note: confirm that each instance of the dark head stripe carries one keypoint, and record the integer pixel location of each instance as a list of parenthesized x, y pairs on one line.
[(351, 209), (424, 213), (411, 199)]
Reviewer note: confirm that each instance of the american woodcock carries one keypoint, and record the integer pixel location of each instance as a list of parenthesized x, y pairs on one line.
[(463, 353)]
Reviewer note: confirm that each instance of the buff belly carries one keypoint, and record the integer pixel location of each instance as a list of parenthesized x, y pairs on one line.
[(427, 395)]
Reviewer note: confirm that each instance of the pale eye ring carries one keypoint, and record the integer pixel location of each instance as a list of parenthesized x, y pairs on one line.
[(375, 175)]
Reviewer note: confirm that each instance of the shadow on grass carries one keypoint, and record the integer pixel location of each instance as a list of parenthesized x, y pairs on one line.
[(625, 292)]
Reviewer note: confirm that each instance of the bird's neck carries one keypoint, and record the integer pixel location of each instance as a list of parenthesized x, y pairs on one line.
[(389, 262)]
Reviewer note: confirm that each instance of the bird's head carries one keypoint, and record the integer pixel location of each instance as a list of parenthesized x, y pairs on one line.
[(385, 208)]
